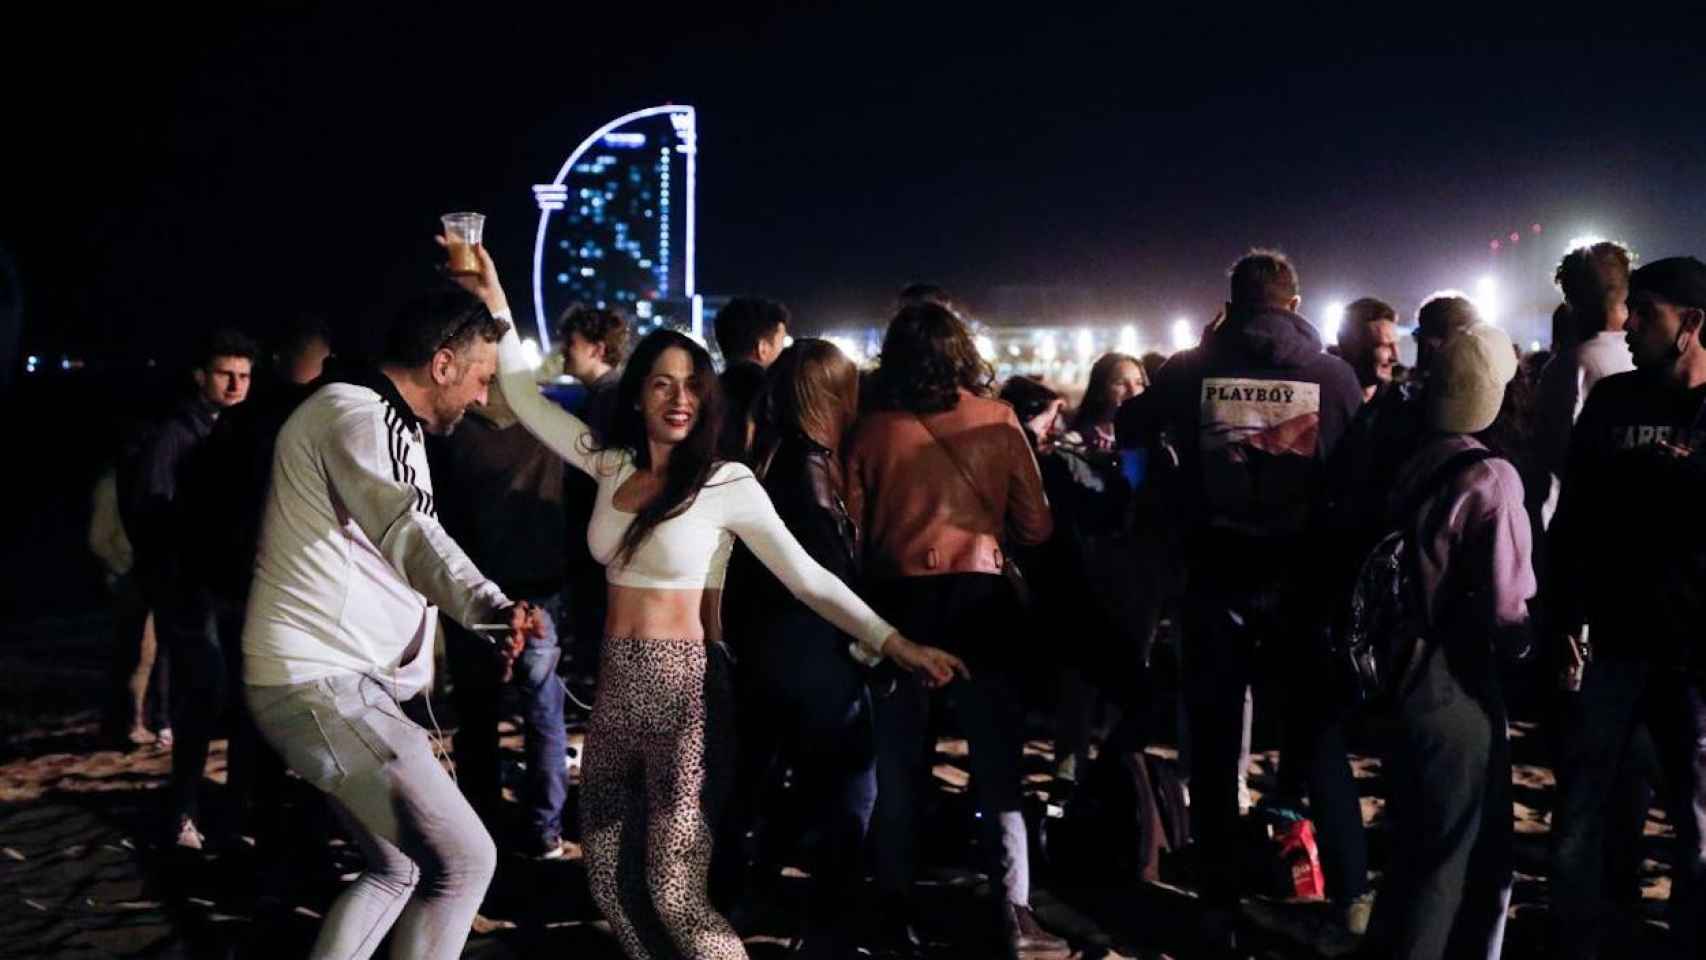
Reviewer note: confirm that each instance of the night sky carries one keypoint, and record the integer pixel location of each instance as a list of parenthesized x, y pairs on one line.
[(241, 167)]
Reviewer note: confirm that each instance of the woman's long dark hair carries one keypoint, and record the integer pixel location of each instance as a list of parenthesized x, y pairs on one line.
[(694, 458), (928, 358), (1094, 409)]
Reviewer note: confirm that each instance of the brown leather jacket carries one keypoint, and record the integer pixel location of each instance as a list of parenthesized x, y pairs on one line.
[(916, 511)]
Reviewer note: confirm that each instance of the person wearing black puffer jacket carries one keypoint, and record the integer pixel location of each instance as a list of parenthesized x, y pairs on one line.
[(1255, 413), (801, 699)]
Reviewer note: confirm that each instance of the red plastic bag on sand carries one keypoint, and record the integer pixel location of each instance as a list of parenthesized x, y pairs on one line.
[(1301, 858)]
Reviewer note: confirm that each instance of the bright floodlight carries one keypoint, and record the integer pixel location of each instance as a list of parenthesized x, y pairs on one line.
[(1086, 344), (985, 346), (530, 353), (1184, 337), (848, 346), (1128, 340), (1047, 350), (1487, 298), (1331, 320), (1583, 240)]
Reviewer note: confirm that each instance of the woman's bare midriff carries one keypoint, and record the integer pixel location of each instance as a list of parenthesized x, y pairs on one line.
[(652, 613)]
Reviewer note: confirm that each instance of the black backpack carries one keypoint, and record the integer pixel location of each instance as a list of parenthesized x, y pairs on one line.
[(1385, 626)]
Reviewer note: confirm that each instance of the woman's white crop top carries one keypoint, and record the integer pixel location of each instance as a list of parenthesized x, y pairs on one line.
[(689, 551)]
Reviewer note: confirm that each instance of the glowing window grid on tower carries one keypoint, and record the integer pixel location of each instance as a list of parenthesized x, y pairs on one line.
[(616, 225)]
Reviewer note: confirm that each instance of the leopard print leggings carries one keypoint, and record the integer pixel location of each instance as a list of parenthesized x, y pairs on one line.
[(657, 749)]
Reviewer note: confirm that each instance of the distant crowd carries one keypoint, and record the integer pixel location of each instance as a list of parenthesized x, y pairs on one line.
[(767, 588)]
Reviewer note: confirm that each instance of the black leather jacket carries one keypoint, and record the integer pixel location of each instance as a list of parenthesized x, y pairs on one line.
[(766, 626)]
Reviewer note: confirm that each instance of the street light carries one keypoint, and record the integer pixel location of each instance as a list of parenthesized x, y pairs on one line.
[(1086, 344)]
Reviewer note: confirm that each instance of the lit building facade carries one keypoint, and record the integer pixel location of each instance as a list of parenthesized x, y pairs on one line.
[(616, 225)]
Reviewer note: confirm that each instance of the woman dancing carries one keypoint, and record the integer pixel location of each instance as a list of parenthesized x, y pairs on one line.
[(664, 524)]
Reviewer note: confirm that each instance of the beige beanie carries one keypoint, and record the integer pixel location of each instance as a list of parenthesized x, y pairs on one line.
[(1466, 385)]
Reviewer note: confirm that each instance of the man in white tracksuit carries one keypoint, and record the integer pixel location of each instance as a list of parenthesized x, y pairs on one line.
[(351, 571)]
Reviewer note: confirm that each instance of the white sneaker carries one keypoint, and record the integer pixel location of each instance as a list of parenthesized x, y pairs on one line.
[(189, 838)]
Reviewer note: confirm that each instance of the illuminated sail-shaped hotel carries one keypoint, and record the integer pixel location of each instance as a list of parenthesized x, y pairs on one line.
[(616, 225)]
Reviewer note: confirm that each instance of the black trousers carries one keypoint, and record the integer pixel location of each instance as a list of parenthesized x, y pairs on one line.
[(1235, 642), (1448, 772), (205, 642), (975, 616), (1600, 749), (801, 704)]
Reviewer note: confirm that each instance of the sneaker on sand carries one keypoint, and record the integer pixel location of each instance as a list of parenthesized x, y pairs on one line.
[(546, 848), (1358, 912), (188, 837)]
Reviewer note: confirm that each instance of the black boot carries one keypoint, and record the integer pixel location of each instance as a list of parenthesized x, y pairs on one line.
[(896, 936), (1026, 939)]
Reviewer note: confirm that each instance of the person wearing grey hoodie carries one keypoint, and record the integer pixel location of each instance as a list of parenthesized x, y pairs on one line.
[(1256, 412), (1447, 759)]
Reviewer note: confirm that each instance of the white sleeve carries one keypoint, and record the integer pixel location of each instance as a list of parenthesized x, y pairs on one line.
[(566, 434), (752, 517), (374, 484)]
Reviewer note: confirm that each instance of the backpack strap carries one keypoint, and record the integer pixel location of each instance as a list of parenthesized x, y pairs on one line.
[(1437, 481)]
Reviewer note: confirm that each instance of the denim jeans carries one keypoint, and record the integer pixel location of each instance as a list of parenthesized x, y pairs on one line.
[(479, 695), (429, 860)]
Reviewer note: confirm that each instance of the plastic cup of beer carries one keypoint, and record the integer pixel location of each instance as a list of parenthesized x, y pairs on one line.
[(463, 231)]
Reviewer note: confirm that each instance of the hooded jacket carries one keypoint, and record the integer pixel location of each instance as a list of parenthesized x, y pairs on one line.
[(1254, 413), (353, 565)]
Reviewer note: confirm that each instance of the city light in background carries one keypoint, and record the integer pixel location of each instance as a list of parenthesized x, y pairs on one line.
[(1128, 343), (1047, 349), (986, 347), (1086, 345), (849, 346)]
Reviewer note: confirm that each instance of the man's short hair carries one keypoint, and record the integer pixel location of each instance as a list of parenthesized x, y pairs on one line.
[(226, 342), (1594, 275), (596, 325), (744, 322), (1263, 278), (446, 318), (1369, 310)]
